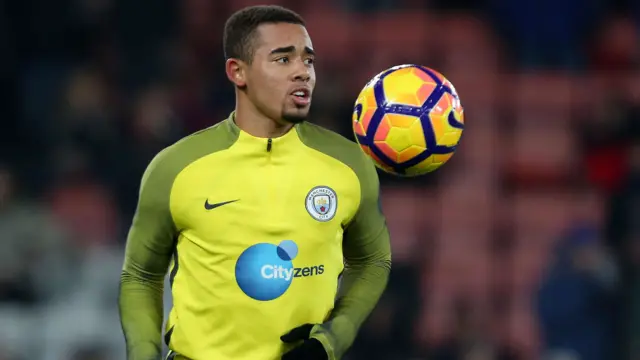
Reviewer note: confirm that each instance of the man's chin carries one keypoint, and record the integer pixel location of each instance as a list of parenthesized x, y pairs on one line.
[(295, 118)]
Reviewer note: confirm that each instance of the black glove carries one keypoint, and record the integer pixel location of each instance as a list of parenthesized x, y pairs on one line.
[(310, 349)]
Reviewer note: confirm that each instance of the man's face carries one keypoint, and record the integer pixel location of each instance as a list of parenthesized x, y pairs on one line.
[(281, 77)]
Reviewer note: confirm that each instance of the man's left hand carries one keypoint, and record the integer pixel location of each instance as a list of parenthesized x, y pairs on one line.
[(310, 349)]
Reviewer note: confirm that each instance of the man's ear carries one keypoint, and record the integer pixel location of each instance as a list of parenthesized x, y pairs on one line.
[(236, 72)]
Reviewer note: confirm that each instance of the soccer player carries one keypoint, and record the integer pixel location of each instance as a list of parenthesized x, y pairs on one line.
[(258, 218)]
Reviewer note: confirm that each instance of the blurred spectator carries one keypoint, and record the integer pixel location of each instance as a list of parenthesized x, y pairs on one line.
[(577, 300), (610, 137), (607, 131), (470, 341), (86, 113), (92, 353), (86, 210), (5, 354), (546, 34), (628, 212), (614, 51), (153, 125), (34, 264)]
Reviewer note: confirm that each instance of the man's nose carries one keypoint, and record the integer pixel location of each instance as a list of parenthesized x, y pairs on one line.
[(301, 73), (303, 76)]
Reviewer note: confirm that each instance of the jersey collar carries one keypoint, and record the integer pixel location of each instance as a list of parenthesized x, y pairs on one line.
[(290, 138)]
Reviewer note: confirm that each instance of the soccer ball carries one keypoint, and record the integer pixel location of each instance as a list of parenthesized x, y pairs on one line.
[(408, 119)]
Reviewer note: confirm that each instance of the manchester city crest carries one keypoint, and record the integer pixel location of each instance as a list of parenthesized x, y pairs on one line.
[(321, 203)]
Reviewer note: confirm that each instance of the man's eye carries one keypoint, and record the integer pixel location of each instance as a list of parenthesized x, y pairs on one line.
[(309, 61), (283, 60)]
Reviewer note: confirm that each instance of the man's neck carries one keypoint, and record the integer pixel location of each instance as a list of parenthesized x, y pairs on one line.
[(259, 125)]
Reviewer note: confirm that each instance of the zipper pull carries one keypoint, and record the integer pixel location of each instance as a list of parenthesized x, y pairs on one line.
[(269, 145)]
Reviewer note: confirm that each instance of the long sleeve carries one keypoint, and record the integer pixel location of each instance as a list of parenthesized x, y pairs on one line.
[(367, 254), (150, 244)]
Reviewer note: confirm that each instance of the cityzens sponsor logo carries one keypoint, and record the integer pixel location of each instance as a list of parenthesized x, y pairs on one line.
[(265, 271)]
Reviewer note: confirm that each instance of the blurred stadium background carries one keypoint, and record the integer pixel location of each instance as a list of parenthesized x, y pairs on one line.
[(524, 246)]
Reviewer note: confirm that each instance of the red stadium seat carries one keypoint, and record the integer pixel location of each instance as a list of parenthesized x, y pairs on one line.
[(410, 40), (541, 213), (541, 155), (523, 329), (468, 84), (465, 205), (436, 322), (375, 48), (530, 261), (464, 34), (402, 208), (334, 36), (479, 150), (462, 268), (539, 92), (632, 87)]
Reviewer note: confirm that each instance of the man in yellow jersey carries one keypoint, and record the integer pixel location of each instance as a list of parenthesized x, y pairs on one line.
[(258, 218)]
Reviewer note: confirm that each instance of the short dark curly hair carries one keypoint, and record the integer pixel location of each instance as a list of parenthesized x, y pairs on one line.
[(240, 28)]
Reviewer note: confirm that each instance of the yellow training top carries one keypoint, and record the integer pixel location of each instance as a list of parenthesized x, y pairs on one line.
[(258, 231)]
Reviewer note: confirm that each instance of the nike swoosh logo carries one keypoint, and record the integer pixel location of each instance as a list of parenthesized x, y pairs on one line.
[(210, 206)]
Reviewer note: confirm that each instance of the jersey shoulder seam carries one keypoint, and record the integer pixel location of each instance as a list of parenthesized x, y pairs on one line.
[(165, 162), (176, 146), (349, 145)]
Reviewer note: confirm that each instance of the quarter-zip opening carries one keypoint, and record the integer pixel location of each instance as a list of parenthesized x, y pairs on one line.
[(271, 190)]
